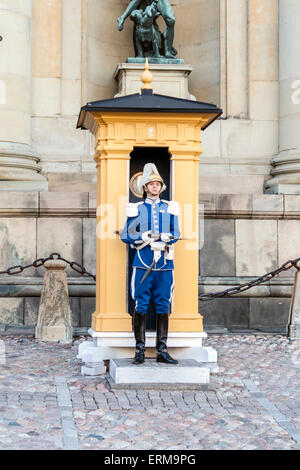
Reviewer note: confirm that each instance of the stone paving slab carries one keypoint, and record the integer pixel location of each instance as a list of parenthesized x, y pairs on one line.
[(45, 403)]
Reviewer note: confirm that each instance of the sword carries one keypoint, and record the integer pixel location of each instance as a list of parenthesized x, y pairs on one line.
[(155, 237), (153, 262), (148, 271)]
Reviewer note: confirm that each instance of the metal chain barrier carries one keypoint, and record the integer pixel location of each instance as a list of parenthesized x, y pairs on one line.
[(203, 297), (243, 287), (41, 261)]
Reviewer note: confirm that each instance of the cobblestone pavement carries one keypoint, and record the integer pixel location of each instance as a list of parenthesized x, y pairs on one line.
[(45, 403)]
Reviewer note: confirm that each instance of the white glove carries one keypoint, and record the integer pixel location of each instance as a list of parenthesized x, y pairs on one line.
[(160, 246), (165, 237), (146, 236)]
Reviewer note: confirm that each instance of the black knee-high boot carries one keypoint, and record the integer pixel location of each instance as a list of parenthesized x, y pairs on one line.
[(162, 355), (139, 328)]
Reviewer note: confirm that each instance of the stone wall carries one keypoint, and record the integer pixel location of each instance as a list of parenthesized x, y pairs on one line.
[(71, 49), (34, 225), (245, 236), (244, 58)]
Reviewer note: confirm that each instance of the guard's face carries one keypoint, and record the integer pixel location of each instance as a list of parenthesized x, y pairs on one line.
[(153, 188)]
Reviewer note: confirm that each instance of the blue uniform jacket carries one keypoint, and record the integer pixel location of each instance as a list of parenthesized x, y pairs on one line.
[(157, 215)]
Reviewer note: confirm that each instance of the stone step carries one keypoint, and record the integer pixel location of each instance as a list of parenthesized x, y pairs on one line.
[(187, 374)]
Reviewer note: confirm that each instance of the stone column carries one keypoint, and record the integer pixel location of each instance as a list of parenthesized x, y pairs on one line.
[(286, 165), (19, 169)]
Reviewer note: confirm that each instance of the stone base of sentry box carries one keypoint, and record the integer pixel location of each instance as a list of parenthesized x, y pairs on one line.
[(187, 375), (121, 345)]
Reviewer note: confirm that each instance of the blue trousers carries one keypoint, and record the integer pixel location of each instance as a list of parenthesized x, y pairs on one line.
[(160, 284)]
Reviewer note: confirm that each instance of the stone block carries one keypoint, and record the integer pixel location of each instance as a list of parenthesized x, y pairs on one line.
[(31, 310), (214, 166), (64, 203), (200, 25), (11, 311), (46, 96), (122, 371), (209, 202), (71, 39), (244, 138), (70, 97), (72, 182), (263, 51), (265, 11), (75, 310), (18, 243), (291, 205), (232, 313), (231, 184), (92, 204), (268, 313), (89, 244), (263, 100), (217, 257), (211, 141), (234, 204), (271, 205), (57, 139), (47, 44), (19, 203), (256, 247), (205, 64), (60, 235), (288, 243), (170, 80), (88, 305)]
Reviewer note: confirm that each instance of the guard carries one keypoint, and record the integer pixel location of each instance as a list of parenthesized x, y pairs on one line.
[(152, 229)]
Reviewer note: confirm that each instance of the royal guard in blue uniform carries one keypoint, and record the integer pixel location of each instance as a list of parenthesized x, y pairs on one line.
[(152, 229)]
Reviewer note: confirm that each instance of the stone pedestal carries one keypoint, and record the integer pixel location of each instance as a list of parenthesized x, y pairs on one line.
[(168, 79), (188, 374), (54, 319), (117, 345)]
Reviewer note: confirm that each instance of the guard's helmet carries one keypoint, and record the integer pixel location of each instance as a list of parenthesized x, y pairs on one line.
[(150, 174)]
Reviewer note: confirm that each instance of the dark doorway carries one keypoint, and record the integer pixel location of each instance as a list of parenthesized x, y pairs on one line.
[(139, 157)]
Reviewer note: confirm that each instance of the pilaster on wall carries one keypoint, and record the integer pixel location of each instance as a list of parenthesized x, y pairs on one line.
[(245, 141), (46, 57), (57, 89), (263, 60), (236, 44)]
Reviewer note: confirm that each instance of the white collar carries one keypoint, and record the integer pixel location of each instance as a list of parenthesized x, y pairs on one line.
[(148, 200)]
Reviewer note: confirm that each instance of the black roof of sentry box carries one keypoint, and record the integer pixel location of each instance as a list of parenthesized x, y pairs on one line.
[(149, 102)]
